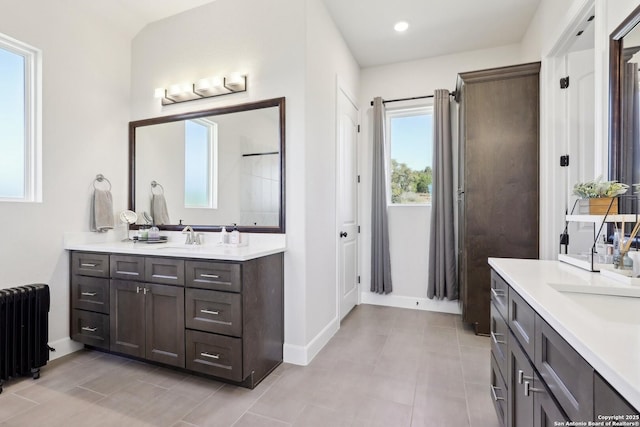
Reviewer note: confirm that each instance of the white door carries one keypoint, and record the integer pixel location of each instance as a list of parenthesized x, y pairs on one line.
[(347, 203), (580, 135)]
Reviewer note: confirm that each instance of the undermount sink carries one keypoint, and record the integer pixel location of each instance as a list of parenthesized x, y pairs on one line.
[(611, 304)]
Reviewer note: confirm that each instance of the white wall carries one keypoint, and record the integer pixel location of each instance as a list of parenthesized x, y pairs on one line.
[(288, 48), (84, 132), (328, 60), (409, 226)]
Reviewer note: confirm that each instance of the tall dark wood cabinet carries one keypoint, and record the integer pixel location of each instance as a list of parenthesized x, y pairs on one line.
[(498, 178)]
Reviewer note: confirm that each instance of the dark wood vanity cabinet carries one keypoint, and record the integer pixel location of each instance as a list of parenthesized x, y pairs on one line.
[(537, 378), (219, 318)]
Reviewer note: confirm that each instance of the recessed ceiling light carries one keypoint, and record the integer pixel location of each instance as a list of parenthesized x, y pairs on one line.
[(401, 26)]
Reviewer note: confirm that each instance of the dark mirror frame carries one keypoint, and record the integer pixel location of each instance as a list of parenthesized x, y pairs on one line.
[(275, 102), (615, 91)]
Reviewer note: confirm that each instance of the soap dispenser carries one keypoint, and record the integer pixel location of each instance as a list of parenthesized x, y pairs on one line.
[(224, 236), (234, 238)]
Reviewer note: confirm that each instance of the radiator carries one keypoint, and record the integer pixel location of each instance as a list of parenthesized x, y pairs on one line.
[(24, 326)]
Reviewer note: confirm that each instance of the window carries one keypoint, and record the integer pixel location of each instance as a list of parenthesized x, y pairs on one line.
[(200, 157), (20, 158), (410, 136)]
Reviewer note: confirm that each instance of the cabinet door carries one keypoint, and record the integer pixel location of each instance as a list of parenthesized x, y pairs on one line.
[(608, 402), (520, 404), (546, 412), (164, 312), (127, 317), (564, 371)]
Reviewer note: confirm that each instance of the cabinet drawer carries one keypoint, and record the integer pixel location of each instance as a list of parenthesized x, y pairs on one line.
[(499, 393), (90, 328), (213, 311), (127, 267), (167, 271), (499, 337), (499, 293), (214, 355), (90, 293), (522, 322), (568, 375), (217, 276), (90, 264)]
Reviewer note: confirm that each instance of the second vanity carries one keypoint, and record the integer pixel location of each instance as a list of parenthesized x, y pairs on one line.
[(564, 346), (210, 309)]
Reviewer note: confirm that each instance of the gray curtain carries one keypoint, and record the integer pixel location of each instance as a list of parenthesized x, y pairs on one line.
[(380, 259), (630, 154), (442, 282)]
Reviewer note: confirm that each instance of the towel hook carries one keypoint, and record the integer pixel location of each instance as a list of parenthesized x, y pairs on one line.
[(155, 184), (100, 178)]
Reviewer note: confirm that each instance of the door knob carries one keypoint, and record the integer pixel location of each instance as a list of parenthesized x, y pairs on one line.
[(343, 234)]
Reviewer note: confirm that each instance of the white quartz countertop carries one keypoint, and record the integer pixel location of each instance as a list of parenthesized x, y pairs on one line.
[(259, 246), (597, 316)]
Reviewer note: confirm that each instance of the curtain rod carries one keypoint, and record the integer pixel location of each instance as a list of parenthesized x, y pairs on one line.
[(412, 98)]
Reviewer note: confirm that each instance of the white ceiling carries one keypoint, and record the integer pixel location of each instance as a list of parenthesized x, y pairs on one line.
[(437, 27)]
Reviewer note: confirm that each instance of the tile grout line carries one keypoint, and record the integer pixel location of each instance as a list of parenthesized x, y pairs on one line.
[(464, 383)]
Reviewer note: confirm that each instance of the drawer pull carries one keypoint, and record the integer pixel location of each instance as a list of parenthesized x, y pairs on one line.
[(495, 339), (138, 289), (210, 356), (89, 294), (528, 389), (497, 293), (494, 394), (86, 264), (127, 273), (164, 276), (88, 329), (522, 377), (210, 312), (210, 276)]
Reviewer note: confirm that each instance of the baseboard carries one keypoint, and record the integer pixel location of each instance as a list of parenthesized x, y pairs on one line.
[(63, 347), (303, 355), (442, 306)]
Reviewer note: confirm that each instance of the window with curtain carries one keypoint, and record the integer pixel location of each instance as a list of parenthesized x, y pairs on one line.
[(410, 162), (20, 170), (200, 161)]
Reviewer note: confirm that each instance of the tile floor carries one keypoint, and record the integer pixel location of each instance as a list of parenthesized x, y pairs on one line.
[(385, 367)]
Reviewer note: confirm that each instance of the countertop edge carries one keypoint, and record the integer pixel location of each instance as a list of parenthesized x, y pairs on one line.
[(245, 253)]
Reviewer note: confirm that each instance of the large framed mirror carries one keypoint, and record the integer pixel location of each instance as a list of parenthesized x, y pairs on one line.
[(211, 168), (624, 105)]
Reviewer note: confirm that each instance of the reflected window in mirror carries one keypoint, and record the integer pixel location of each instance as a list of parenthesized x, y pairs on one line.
[(200, 164)]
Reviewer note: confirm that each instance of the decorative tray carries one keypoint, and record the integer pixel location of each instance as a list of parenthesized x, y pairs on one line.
[(161, 239)]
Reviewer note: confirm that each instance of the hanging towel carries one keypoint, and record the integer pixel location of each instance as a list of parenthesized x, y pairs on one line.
[(101, 211), (159, 210)]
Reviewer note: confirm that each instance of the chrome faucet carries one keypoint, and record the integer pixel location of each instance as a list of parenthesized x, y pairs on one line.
[(192, 237)]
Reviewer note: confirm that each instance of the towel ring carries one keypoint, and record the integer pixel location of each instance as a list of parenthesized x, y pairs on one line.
[(101, 178), (155, 184)]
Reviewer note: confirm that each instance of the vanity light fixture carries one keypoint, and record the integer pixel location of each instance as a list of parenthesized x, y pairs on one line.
[(204, 88)]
